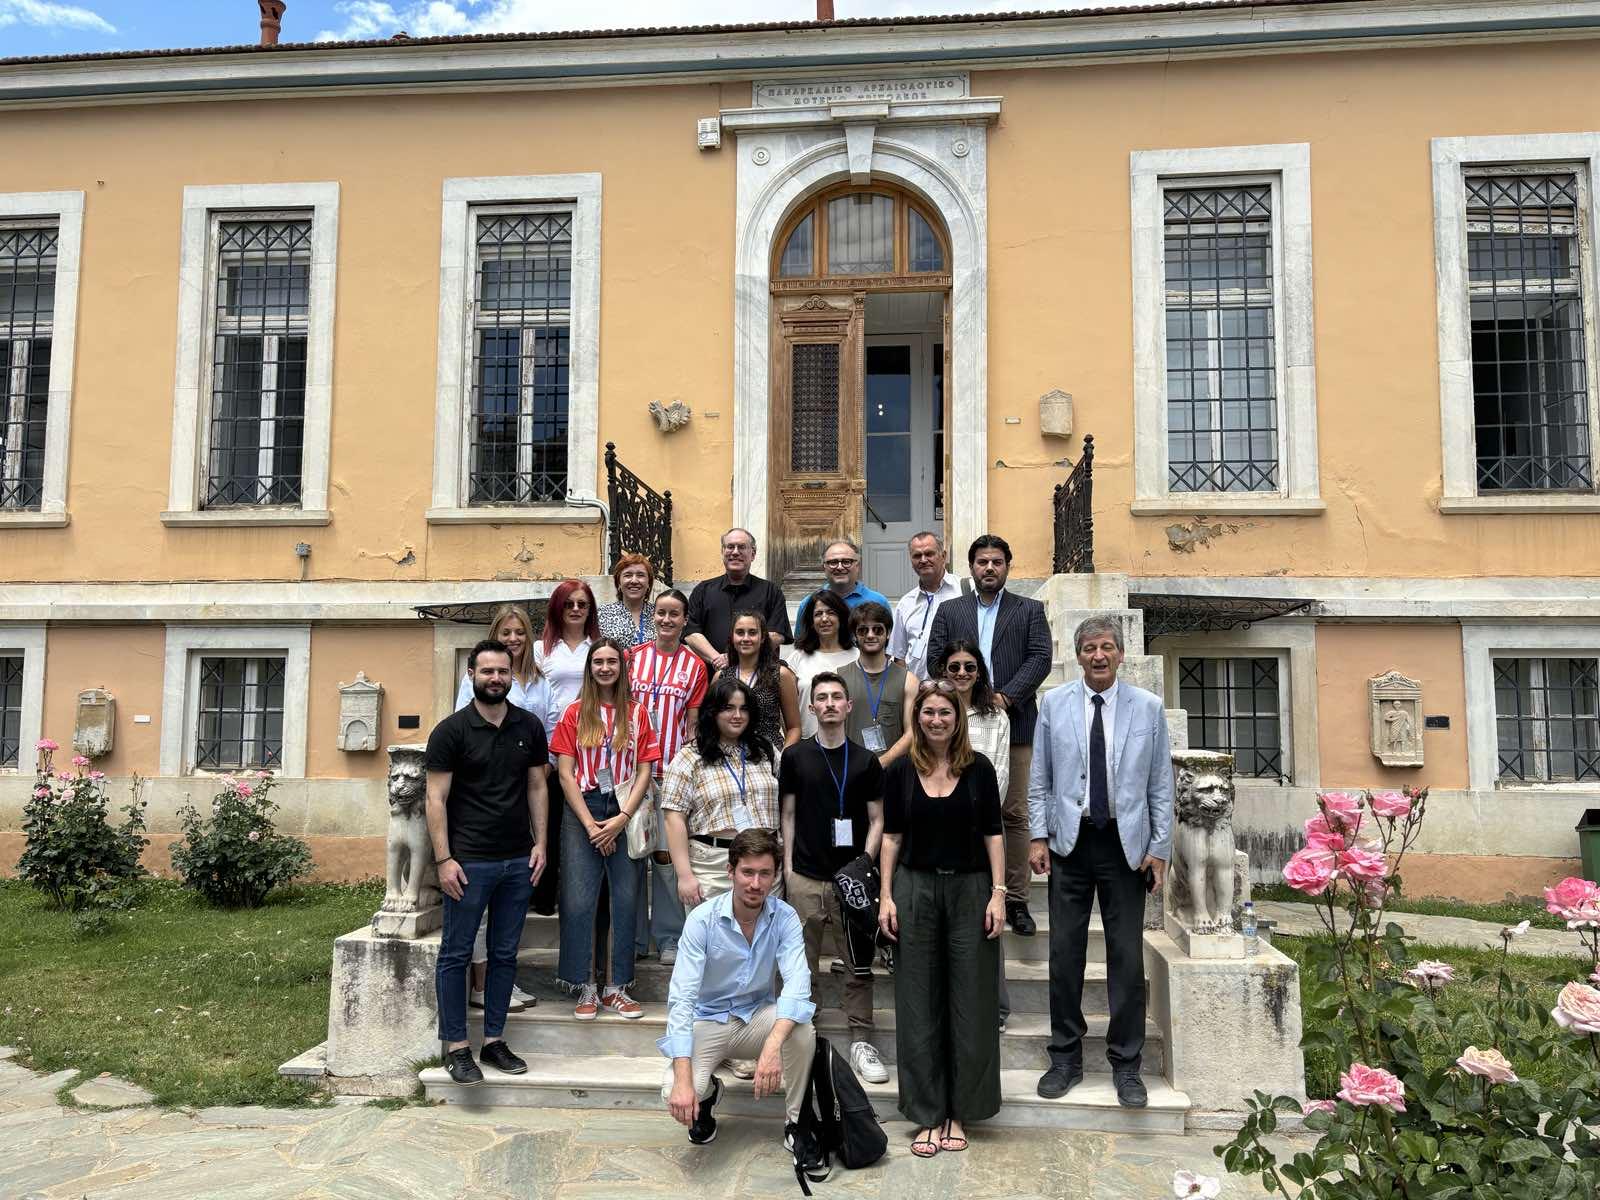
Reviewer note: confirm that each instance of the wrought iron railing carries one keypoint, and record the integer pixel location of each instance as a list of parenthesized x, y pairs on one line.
[(1074, 517), (641, 517)]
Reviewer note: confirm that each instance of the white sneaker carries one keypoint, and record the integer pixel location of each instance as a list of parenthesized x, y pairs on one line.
[(866, 1063), (521, 999)]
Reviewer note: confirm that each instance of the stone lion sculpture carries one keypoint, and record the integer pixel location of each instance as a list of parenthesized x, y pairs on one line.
[(1201, 888), (412, 881)]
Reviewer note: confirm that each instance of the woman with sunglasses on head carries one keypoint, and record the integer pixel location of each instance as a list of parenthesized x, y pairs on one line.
[(530, 691), (822, 642), (753, 660), (943, 864), (604, 745), (561, 654), (630, 618)]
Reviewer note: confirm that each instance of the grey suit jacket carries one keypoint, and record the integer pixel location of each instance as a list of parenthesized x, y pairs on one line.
[(1141, 772)]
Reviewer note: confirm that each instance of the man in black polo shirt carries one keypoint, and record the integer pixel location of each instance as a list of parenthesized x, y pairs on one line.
[(486, 818), (715, 602), (831, 790)]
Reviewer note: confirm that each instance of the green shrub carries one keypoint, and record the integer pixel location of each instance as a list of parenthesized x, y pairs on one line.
[(73, 853), (235, 856)]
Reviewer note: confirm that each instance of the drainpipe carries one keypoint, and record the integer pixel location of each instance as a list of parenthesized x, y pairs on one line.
[(271, 20), (824, 10)]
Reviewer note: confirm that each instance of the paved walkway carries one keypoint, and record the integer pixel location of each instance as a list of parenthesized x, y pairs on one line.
[(359, 1152), (1302, 920)]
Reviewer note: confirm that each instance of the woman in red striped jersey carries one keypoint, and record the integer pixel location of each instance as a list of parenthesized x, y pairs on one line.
[(604, 745), (671, 680)]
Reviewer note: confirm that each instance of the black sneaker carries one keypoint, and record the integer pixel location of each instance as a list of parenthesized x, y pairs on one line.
[(704, 1129), (499, 1056), (461, 1067), (1131, 1092), (1059, 1080), (1020, 919), (809, 1158)]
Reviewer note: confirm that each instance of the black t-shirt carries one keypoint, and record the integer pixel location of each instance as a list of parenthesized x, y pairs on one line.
[(714, 604), (488, 766), (811, 775), (942, 833)]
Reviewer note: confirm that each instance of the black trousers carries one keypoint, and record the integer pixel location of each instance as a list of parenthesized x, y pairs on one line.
[(1096, 866)]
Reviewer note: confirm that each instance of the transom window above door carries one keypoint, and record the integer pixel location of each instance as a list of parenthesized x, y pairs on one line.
[(854, 232)]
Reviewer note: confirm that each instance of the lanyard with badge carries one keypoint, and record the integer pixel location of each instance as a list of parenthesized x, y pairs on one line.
[(603, 779), (872, 735), (844, 828), (743, 807)]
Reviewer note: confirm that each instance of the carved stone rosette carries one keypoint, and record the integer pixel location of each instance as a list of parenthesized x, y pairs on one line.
[(412, 906), (1395, 702)]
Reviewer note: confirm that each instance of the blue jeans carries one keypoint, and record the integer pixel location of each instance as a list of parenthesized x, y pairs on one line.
[(501, 888), (666, 917), (582, 868)]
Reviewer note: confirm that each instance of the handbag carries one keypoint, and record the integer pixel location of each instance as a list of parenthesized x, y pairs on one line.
[(642, 827)]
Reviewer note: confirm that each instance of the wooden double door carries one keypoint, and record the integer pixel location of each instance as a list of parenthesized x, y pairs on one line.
[(859, 444)]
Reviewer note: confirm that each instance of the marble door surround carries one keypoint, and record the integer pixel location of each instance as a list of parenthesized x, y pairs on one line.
[(935, 148)]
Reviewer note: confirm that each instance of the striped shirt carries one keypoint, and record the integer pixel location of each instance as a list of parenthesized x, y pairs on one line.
[(641, 747), (668, 685), (721, 796)]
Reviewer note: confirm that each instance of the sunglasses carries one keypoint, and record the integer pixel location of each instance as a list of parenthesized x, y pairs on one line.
[(577, 605), (961, 668), (943, 686)]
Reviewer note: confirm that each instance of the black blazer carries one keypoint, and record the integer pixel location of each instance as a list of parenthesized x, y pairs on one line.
[(1020, 651)]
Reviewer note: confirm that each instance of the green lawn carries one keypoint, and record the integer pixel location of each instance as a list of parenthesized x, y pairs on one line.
[(198, 1005), (1476, 971), (1507, 912)]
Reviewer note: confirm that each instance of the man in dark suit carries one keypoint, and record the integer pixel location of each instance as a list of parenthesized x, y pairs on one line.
[(1015, 639)]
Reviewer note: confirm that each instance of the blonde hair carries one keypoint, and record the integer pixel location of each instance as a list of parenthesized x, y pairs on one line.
[(591, 722), (504, 613), (961, 753)]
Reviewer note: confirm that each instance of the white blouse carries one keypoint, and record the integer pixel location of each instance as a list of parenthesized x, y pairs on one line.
[(563, 666), (991, 737), (531, 698), (804, 667)]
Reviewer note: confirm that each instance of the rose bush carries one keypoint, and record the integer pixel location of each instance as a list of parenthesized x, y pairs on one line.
[(72, 851), (234, 856), (1421, 1113)]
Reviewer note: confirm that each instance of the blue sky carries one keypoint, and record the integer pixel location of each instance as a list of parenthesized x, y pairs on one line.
[(84, 26)]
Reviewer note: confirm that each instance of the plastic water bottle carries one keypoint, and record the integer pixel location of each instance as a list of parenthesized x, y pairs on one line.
[(1252, 943)]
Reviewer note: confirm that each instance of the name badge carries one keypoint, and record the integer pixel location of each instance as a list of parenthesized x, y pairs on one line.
[(844, 832), (872, 739), (603, 780)]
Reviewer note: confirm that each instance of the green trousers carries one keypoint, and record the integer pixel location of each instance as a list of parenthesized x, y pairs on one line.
[(947, 1006)]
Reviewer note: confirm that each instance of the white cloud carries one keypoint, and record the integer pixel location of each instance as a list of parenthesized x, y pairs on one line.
[(431, 18), (48, 15)]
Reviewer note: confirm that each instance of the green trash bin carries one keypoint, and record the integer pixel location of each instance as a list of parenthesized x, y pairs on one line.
[(1589, 844)]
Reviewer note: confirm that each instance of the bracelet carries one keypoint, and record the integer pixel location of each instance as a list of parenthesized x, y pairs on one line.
[(439, 862), (999, 887)]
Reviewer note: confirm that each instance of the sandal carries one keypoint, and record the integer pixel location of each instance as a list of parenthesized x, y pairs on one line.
[(925, 1147), (947, 1140)]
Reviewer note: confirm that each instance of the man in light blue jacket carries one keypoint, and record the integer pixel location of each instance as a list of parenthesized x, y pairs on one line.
[(1100, 816)]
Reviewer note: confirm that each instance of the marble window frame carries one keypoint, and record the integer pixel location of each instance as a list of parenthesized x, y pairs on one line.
[(452, 385), (1481, 644), (1451, 158), (180, 696), (1288, 168), (30, 642)]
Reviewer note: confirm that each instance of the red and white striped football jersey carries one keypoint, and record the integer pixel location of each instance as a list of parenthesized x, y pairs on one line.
[(668, 685)]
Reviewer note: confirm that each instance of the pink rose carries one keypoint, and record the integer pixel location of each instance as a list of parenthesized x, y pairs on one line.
[(1310, 871), (1578, 1008), (228, 781), (1389, 804), (64, 776), (1595, 978), (1572, 899), (244, 789), (1362, 863), (254, 835), (263, 774), (1362, 1085), (1487, 1064), (97, 776), (1322, 836), (46, 745), (1431, 972), (1342, 810), (41, 793), (69, 795), (79, 760), (1375, 892), (1319, 1106)]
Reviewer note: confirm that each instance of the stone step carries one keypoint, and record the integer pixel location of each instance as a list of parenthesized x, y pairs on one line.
[(611, 1082), (545, 933), (1028, 982), (550, 1029)]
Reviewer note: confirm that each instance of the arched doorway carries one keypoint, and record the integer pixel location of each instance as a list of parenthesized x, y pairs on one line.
[(860, 340)]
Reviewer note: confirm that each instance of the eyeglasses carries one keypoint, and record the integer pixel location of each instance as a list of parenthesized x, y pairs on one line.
[(577, 605), (840, 562), (956, 668), (740, 550), (943, 686)]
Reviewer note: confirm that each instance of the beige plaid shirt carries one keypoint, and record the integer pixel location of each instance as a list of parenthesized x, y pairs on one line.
[(708, 794)]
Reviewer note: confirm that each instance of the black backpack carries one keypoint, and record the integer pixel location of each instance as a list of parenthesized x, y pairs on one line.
[(837, 1113)]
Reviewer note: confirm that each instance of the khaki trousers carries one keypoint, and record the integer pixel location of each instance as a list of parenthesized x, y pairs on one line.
[(715, 1042), (1014, 821), (818, 906), (709, 865)]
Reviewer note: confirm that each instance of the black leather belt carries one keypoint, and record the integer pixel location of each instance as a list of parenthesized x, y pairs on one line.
[(703, 839)]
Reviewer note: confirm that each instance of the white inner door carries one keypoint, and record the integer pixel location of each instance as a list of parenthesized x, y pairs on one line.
[(902, 413)]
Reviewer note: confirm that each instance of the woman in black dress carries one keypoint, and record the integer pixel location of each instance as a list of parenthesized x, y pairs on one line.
[(943, 863)]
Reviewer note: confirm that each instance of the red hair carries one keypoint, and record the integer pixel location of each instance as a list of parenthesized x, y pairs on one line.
[(556, 610)]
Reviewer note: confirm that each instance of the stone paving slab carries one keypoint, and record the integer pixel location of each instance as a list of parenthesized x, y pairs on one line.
[(51, 1152), (1301, 920), (107, 1091)]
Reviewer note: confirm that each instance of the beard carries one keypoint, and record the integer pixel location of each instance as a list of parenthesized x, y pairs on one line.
[(489, 693)]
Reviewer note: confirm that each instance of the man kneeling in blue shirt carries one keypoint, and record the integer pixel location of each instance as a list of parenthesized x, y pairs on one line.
[(721, 1003)]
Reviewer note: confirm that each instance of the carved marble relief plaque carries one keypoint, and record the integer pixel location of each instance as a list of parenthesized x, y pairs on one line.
[(1396, 705)]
